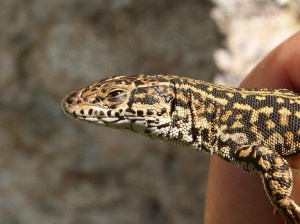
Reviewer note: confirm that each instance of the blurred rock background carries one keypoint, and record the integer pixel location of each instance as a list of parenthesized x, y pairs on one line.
[(57, 170)]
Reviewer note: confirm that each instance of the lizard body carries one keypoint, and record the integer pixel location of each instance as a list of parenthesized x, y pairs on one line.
[(256, 129)]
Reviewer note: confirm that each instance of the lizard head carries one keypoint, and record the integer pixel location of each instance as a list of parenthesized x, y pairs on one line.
[(139, 103)]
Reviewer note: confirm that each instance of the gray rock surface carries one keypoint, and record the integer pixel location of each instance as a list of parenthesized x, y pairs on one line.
[(253, 28), (57, 170)]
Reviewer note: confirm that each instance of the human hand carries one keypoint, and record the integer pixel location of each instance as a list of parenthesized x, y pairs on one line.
[(234, 196)]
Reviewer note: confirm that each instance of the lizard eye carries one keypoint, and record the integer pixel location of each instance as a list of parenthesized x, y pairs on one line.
[(116, 96), (115, 93)]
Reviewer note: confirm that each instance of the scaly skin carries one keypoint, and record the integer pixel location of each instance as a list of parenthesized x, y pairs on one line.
[(256, 129)]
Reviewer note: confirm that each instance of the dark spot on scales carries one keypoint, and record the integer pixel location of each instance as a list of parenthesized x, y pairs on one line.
[(90, 111), (140, 113), (97, 98), (163, 126), (147, 99), (150, 112), (163, 111), (82, 111), (129, 110), (118, 82), (142, 90), (127, 83), (130, 102), (185, 120), (138, 82), (195, 133), (205, 134), (101, 113), (109, 113)]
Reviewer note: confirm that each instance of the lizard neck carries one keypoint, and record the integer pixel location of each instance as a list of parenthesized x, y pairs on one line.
[(193, 115)]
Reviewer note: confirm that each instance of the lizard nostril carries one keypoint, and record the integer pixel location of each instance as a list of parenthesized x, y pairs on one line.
[(70, 99), (67, 102)]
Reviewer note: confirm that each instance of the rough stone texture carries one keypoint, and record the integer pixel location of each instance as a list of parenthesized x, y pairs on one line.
[(258, 27), (55, 170)]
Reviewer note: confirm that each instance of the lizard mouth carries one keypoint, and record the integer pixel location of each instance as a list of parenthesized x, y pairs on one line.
[(94, 114), (106, 117), (89, 113)]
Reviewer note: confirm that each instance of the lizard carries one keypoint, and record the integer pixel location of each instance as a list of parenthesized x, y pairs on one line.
[(255, 129)]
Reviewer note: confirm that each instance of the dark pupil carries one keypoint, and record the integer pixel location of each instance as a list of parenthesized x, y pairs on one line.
[(115, 93)]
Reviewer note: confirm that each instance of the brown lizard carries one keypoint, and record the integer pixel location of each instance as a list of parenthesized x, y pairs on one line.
[(255, 129)]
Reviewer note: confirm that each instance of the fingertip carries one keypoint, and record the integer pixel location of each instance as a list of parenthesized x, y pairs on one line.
[(279, 69)]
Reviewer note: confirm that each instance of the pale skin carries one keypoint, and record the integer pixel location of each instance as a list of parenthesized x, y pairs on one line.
[(234, 196)]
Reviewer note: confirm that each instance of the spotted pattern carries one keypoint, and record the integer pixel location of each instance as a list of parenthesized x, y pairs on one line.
[(256, 129)]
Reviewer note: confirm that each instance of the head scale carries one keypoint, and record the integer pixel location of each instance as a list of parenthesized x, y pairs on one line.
[(139, 103)]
